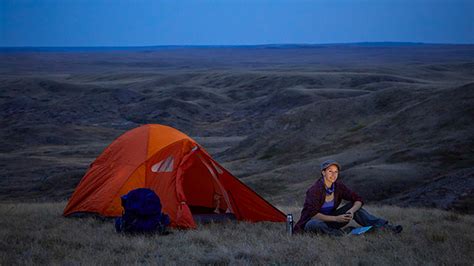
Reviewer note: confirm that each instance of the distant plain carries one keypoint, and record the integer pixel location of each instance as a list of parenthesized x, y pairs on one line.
[(397, 116)]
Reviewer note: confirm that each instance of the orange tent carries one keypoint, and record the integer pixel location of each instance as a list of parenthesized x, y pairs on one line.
[(179, 170)]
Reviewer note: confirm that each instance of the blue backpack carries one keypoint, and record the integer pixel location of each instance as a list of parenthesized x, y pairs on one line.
[(142, 213)]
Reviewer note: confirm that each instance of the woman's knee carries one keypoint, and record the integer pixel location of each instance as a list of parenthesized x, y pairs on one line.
[(364, 217)]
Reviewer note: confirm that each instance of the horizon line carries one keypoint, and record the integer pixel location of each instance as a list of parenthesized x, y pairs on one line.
[(392, 43)]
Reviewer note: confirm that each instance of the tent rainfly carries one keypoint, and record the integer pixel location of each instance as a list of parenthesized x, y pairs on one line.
[(184, 176)]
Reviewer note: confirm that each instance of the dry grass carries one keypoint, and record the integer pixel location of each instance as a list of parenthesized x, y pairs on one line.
[(37, 234)]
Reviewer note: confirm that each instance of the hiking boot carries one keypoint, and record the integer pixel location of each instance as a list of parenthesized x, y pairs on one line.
[(396, 229)]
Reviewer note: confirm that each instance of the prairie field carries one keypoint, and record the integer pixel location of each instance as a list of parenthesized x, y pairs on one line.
[(397, 117), (37, 234)]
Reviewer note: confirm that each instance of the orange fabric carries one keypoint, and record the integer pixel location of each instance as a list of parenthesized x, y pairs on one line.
[(166, 184), (161, 136), (247, 205), (136, 180), (176, 168)]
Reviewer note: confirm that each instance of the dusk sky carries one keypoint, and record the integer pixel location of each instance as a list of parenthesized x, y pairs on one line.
[(233, 22)]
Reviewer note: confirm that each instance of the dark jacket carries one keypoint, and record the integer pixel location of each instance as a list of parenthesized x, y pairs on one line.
[(315, 197)]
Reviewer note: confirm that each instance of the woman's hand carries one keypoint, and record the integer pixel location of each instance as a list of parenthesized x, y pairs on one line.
[(350, 213), (343, 218)]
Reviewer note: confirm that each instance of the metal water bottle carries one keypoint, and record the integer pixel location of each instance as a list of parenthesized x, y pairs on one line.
[(289, 223)]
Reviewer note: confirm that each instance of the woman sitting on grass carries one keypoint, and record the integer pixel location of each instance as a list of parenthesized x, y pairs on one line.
[(320, 212)]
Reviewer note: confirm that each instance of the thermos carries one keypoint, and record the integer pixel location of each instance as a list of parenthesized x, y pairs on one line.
[(289, 223)]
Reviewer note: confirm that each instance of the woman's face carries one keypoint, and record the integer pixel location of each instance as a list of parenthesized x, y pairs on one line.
[(330, 174)]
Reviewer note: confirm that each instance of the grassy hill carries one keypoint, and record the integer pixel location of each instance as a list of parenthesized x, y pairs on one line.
[(397, 117), (396, 126), (37, 234)]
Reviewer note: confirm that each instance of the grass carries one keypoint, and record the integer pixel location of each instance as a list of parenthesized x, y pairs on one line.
[(357, 127), (37, 234)]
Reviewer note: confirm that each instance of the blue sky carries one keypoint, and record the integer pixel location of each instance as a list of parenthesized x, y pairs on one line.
[(232, 22)]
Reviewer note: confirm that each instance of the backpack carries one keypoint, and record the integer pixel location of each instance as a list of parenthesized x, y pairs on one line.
[(142, 213)]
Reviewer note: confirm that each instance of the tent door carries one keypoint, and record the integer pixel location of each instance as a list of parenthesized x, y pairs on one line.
[(223, 192)]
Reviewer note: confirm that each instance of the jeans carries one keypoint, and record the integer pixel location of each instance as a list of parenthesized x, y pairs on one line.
[(361, 216)]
